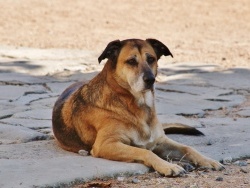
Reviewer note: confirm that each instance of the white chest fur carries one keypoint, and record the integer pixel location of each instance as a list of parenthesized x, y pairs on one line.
[(146, 98), (148, 142)]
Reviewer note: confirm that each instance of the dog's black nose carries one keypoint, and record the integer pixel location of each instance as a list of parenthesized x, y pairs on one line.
[(149, 80)]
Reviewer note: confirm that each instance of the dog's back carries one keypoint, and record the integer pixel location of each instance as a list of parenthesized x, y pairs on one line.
[(66, 133)]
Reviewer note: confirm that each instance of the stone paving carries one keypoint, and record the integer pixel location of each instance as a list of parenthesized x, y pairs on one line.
[(205, 96)]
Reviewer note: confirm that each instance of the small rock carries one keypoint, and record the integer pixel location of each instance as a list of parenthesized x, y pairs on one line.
[(138, 173), (135, 180), (119, 178), (227, 160), (200, 115), (209, 143), (219, 179), (188, 167), (241, 163), (83, 152), (246, 182), (226, 173), (244, 170)]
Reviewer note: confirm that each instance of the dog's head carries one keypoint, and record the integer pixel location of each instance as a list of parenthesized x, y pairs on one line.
[(134, 62)]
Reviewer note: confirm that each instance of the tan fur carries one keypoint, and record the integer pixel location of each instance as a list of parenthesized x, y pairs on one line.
[(113, 116)]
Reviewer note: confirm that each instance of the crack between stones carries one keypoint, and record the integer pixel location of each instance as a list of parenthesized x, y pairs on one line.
[(33, 92), (196, 115), (32, 118), (40, 99), (39, 128), (6, 123), (218, 100), (173, 91), (14, 83), (6, 116), (47, 87), (17, 83), (234, 92)]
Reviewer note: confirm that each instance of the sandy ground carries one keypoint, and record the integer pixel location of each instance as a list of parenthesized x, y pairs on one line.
[(208, 31), (215, 32)]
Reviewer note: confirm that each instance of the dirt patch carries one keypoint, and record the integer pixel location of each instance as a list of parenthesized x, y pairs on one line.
[(233, 176), (208, 31)]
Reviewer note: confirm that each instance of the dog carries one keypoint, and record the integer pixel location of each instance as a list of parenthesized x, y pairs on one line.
[(113, 116)]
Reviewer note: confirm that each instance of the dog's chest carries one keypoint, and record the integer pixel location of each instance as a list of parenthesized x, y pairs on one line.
[(146, 137)]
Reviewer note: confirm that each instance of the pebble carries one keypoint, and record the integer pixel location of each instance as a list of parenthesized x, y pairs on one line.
[(83, 152), (246, 182), (188, 167), (139, 172), (227, 160), (219, 179), (120, 178), (244, 170), (241, 163), (209, 143), (226, 173), (135, 180)]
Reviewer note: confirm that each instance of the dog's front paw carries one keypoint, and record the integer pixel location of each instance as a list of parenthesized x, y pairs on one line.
[(169, 169), (210, 163)]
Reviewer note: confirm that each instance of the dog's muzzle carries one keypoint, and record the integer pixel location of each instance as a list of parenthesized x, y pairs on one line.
[(149, 80)]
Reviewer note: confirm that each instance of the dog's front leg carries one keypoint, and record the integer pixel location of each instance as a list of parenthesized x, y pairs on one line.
[(114, 149), (167, 147)]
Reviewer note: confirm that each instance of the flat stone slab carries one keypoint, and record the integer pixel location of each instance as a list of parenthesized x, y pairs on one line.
[(224, 137), (200, 95), (45, 164), (10, 134), (61, 171), (41, 113), (34, 124)]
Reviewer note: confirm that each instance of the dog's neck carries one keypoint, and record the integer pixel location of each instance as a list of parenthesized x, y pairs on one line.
[(145, 98)]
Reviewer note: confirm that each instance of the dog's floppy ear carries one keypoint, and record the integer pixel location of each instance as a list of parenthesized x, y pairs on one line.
[(111, 51), (159, 48)]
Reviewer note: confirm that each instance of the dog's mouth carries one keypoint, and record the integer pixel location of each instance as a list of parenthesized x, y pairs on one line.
[(148, 87)]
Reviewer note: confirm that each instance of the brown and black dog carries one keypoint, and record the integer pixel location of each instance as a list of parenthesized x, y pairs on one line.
[(113, 116)]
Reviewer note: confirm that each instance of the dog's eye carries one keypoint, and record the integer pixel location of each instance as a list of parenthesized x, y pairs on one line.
[(132, 62), (150, 60)]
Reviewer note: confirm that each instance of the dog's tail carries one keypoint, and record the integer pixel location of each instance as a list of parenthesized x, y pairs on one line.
[(178, 128)]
